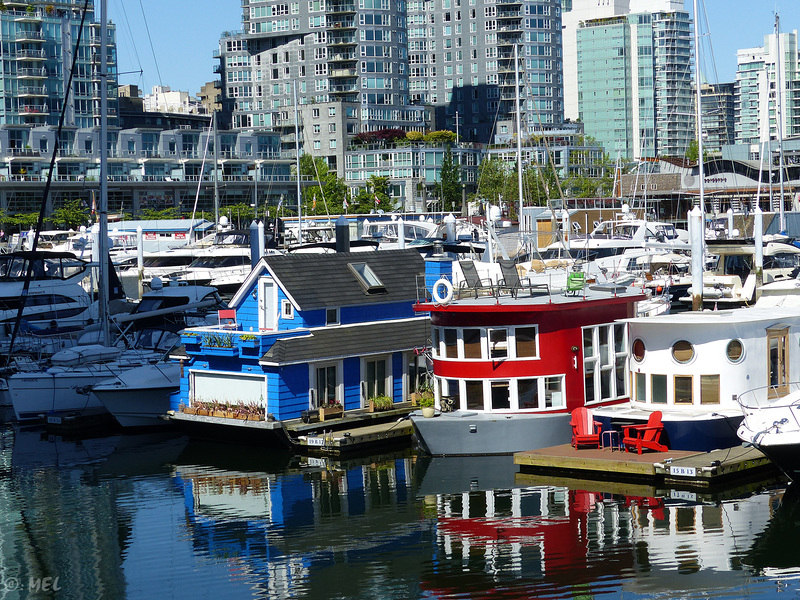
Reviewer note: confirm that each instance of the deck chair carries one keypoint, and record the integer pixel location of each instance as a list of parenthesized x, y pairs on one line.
[(585, 430), (575, 282), (512, 283), (472, 282), (647, 437)]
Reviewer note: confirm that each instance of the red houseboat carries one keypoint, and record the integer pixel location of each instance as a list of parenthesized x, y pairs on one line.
[(509, 365)]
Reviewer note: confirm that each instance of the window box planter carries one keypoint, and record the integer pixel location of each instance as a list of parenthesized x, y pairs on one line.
[(330, 412), (220, 351)]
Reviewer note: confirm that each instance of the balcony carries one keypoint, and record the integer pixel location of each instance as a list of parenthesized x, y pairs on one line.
[(340, 8), (343, 73), (30, 92), (28, 73), (29, 55), (342, 24), (342, 57), (342, 40), (29, 36), (34, 109)]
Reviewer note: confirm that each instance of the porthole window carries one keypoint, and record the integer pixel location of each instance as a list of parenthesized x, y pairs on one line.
[(682, 351), (638, 350), (735, 351)]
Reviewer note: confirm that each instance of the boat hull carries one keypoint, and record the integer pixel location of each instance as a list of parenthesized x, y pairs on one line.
[(465, 433), (140, 397), (693, 433), (784, 456), (36, 394)]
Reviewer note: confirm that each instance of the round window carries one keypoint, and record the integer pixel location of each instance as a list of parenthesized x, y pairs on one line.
[(638, 350), (735, 351), (682, 351)]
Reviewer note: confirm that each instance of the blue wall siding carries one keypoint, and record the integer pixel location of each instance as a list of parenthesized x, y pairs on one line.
[(397, 377), (294, 391), (376, 312), (247, 312), (351, 379), (300, 320)]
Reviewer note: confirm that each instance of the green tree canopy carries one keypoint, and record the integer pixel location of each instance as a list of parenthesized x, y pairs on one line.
[(70, 215)]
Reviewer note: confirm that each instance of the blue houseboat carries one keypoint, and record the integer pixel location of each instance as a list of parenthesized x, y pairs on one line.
[(306, 333)]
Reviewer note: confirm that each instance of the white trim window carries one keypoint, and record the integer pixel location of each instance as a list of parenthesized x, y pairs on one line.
[(532, 394), (325, 386), (605, 356)]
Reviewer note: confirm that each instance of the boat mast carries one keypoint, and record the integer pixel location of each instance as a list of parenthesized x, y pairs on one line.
[(102, 287), (699, 111), (216, 166), (519, 136), (779, 114), (297, 160)]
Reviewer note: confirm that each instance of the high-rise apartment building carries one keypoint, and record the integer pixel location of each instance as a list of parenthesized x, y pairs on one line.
[(39, 40), (422, 64), (347, 53), (718, 115), (757, 77), (461, 55), (635, 83)]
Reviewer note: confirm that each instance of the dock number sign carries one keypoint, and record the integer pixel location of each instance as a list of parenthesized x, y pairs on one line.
[(683, 471)]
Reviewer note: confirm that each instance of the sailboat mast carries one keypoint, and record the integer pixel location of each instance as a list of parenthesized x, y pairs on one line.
[(519, 135), (297, 159), (216, 173), (699, 111), (102, 286), (779, 113)]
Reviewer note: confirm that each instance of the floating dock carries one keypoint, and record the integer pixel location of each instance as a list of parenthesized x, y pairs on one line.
[(673, 467), (357, 431)]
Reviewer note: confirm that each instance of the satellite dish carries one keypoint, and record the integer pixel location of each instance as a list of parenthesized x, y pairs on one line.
[(156, 283)]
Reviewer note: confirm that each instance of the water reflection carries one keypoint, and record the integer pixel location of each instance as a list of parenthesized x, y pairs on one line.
[(159, 516)]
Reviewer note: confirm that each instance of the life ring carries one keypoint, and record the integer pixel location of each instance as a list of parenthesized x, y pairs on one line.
[(448, 291)]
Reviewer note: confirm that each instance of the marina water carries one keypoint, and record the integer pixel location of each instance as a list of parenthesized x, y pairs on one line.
[(159, 516)]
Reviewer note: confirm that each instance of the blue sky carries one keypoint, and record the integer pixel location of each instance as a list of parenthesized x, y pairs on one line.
[(185, 33)]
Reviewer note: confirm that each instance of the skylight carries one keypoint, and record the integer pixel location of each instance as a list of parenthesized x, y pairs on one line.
[(367, 278)]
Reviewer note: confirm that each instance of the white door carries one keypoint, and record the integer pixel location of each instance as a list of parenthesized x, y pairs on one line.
[(266, 304)]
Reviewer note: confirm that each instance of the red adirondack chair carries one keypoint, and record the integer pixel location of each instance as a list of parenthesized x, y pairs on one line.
[(644, 436), (585, 430)]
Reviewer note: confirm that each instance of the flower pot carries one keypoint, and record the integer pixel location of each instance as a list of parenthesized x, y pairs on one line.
[(428, 411), (189, 410)]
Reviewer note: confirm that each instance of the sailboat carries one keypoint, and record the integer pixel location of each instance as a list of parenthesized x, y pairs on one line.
[(62, 392)]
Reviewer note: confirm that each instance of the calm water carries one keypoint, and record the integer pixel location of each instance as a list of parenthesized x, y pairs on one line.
[(156, 516)]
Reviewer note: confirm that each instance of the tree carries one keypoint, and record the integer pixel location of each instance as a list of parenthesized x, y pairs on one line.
[(327, 194), (491, 179), (150, 214), (374, 196), (70, 215), (450, 174)]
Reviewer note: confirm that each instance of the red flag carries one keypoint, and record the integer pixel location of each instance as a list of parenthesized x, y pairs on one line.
[(377, 201)]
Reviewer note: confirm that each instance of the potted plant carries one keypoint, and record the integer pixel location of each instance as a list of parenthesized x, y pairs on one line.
[(426, 403), (379, 403)]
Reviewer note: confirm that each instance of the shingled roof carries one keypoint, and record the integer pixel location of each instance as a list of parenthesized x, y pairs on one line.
[(317, 281), (342, 342)]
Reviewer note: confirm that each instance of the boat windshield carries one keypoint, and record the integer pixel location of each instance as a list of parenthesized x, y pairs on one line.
[(157, 339), (15, 267), (214, 262)]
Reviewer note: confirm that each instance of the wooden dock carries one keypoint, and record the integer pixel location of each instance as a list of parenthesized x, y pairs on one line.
[(674, 467), (357, 431)]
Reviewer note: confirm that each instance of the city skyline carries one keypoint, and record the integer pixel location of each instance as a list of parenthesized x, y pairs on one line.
[(732, 25)]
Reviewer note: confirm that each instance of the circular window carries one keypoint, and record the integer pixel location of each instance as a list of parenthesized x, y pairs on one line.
[(682, 351), (735, 351), (638, 350)]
